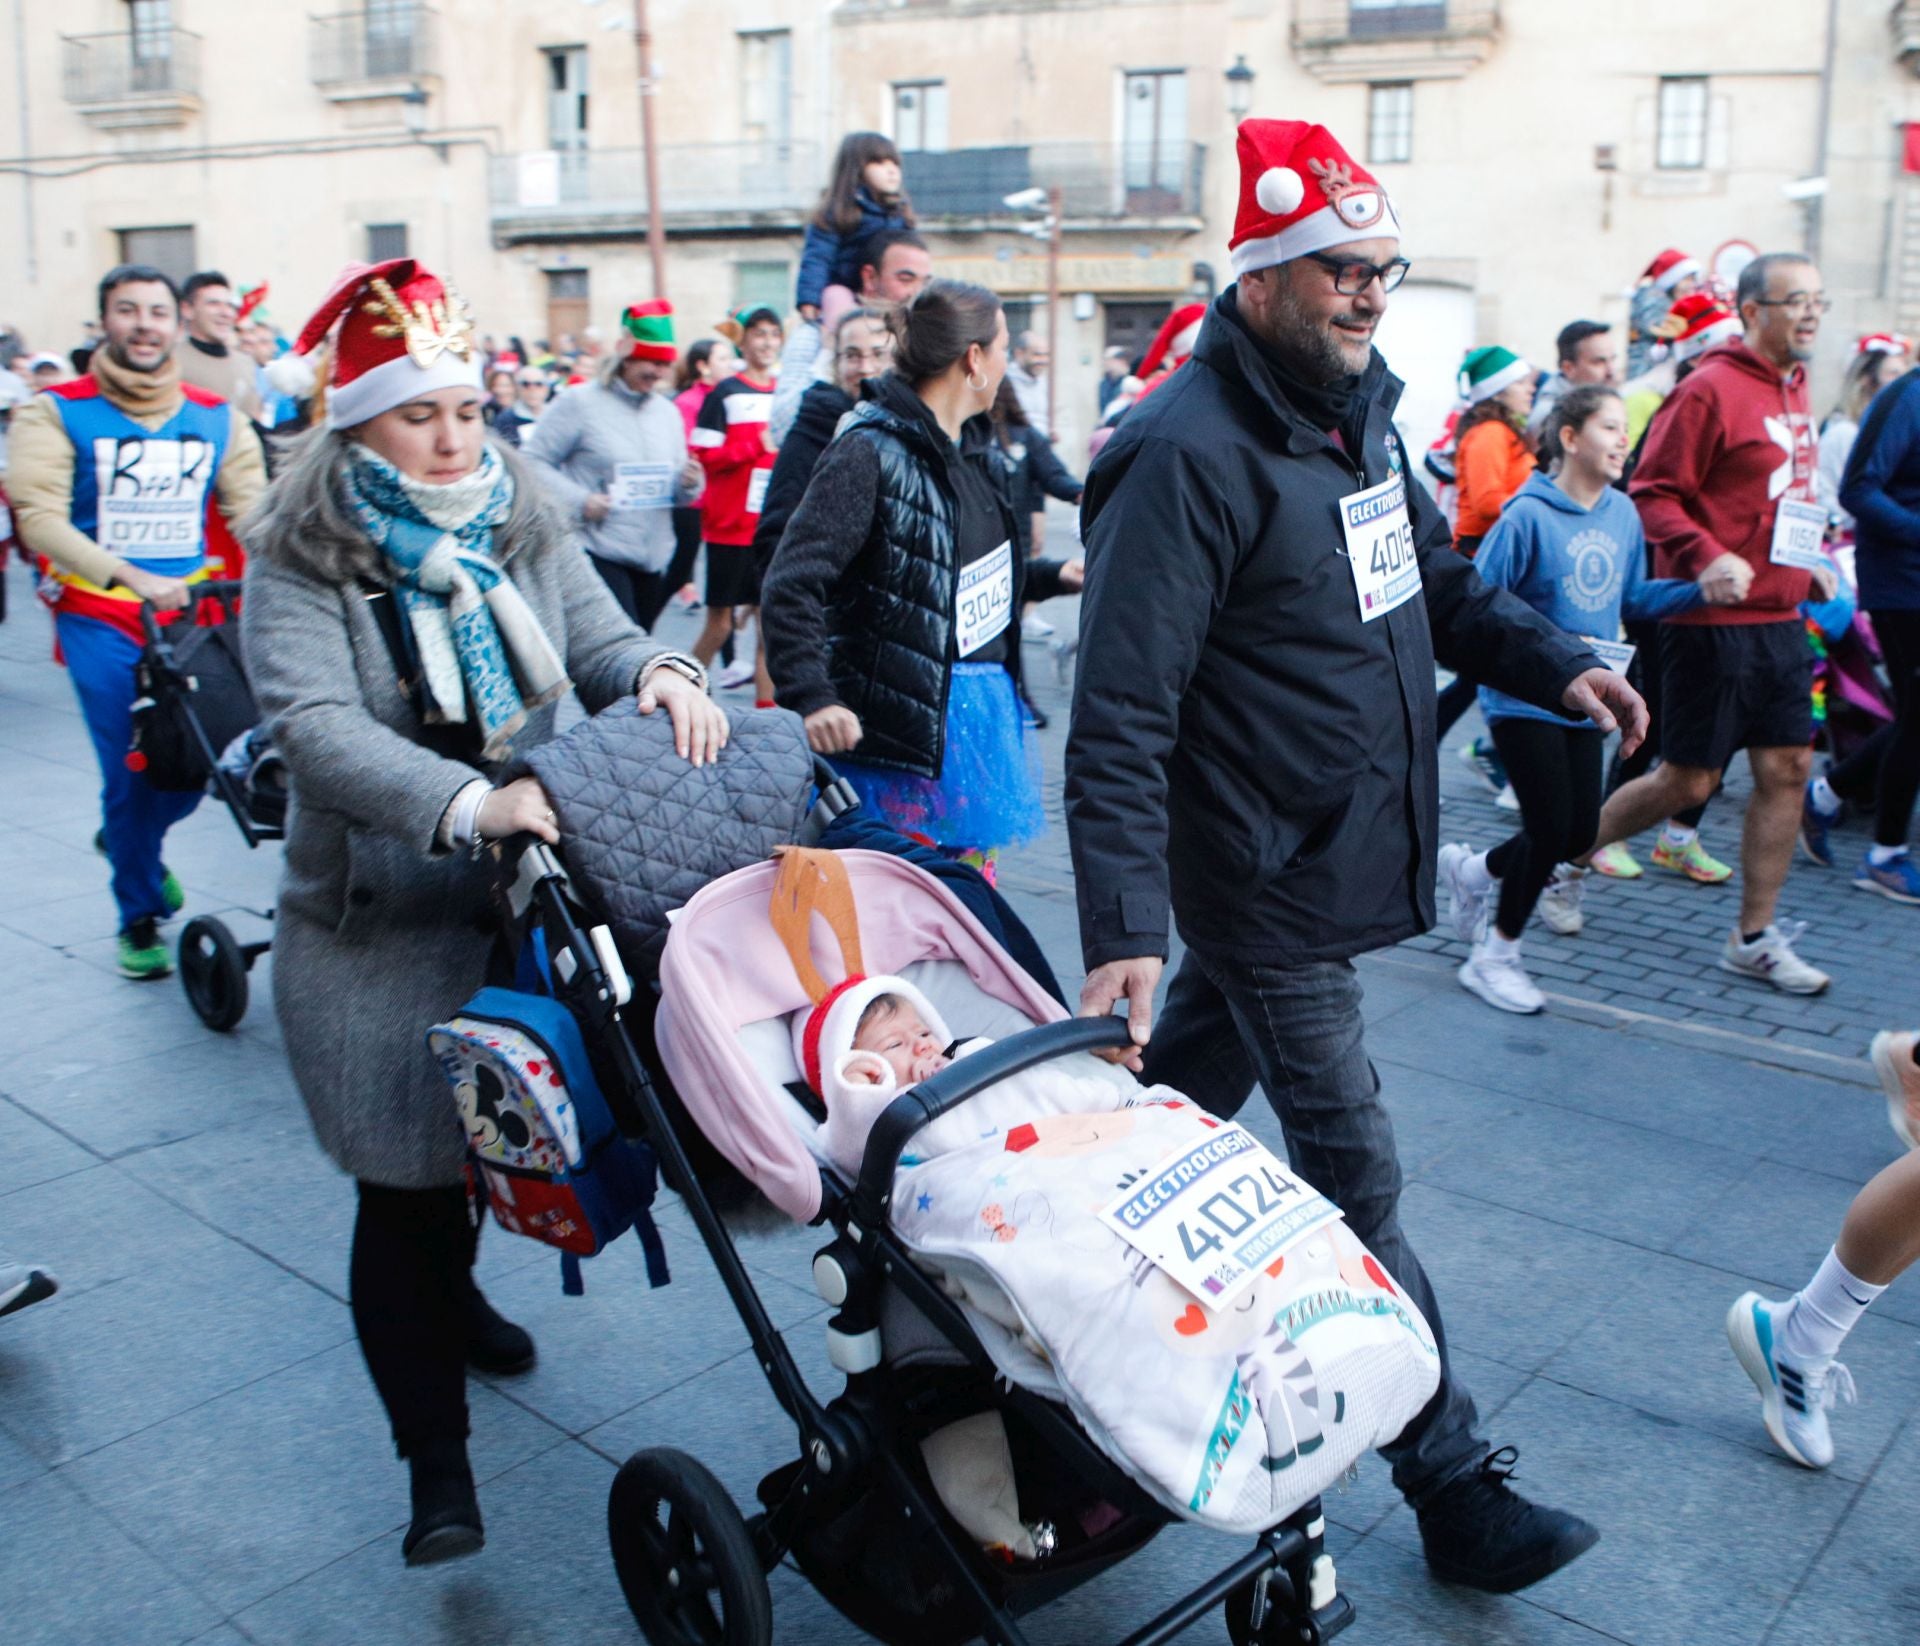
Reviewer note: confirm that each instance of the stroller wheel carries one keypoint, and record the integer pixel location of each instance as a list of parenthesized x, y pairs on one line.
[(686, 1561), (1287, 1622), (213, 970)]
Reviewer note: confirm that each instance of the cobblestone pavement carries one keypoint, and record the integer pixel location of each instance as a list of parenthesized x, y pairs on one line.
[(190, 1450)]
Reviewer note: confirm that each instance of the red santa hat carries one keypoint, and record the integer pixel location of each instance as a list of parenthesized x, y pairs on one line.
[(1697, 322), (1671, 267), (1301, 192), (1885, 342), (402, 333), (1174, 341), (823, 1034)]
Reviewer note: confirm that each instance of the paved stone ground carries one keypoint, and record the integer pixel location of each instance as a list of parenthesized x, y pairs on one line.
[(190, 1451)]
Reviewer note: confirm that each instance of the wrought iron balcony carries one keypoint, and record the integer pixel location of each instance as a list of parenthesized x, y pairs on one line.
[(148, 78), (351, 51), (1097, 181), (1410, 39), (1904, 22)]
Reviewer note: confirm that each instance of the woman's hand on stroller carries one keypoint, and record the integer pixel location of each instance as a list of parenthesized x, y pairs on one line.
[(833, 730), (700, 725), (1133, 981), (167, 594), (519, 807)]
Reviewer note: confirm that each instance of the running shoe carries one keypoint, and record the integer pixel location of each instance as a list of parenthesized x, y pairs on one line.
[(1035, 627), (1795, 1396), (1501, 982), (1815, 826), (142, 954), (1560, 901), (1507, 800), (1466, 908), (1892, 1055), (172, 893), (1770, 958), (1692, 860), (23, 1283), (735, 674), (1480, 758), (1063, 653), (1616, 862), (1898, 879)]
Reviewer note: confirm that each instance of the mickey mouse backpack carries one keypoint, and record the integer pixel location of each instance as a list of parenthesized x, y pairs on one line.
[(540, 1137)]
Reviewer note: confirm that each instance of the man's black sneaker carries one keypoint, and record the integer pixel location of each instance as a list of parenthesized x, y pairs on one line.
[(1479, 1532), (446, 1510), (494, 1343)]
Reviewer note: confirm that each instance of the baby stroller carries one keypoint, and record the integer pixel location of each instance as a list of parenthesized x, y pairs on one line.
[(855, 1510), (195, 727)]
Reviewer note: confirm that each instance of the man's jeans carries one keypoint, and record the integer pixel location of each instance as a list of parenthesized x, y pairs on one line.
[(1297, 1030)]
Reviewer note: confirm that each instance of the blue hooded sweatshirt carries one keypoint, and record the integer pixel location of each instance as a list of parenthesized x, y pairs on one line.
[(1582, 569)]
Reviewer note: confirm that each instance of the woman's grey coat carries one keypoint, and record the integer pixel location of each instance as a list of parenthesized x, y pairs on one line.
[(574, 447), (381, 931)]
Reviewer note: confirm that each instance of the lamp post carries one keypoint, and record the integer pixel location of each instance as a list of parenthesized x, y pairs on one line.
[(1239, 88), (656, 227), (1027, 202)]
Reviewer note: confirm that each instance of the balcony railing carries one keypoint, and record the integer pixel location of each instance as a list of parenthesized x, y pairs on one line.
[(1904, 21), (154, 65), (391, 42), (1350, 22), (728, 182)]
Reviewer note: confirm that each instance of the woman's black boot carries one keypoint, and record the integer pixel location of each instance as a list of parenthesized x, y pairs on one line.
[(446, 1513), (494, 1343)]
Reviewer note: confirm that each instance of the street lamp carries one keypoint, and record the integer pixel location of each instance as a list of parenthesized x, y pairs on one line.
[(1239, 88), (1045, 204)]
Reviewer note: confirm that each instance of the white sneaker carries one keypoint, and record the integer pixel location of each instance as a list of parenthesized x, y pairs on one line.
[(1795, 1396), (21, 1284), (1507, 800), (1501, 982), (737, 673), (1035, 627), (1560, 903), (1466, 908), (1771, 959), (1063, 653)]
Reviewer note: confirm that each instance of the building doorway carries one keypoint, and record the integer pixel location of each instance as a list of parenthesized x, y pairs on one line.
[(568, 309), (1131, 326)]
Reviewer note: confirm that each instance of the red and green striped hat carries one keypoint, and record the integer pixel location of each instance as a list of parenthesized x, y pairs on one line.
[(650, 325)]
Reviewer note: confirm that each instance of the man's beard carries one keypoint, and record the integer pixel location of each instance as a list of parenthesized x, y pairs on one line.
[(1306, 341), (117, 353)]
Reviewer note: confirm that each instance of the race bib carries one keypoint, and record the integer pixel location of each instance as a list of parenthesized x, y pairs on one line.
[(1616, 654), (641, 486), (1215, 1213), (757, 490), (153, 495), (983, 604), (1798, 531), (1379, 533)]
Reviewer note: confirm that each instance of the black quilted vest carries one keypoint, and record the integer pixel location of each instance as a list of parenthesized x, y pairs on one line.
[(890, 615)]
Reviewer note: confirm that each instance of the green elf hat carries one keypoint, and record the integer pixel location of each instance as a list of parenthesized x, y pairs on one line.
[(650, 325), (1485, 372)]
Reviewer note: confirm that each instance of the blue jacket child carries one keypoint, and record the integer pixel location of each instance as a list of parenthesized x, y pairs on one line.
[(829, 258), (1582, 569)]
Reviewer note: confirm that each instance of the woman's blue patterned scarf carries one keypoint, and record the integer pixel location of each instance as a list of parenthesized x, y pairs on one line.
[(478, 639)]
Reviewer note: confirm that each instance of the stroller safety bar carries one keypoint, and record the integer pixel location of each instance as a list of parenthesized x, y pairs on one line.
[(953, 1085)]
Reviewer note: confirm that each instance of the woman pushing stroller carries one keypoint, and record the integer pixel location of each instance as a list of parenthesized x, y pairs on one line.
[(414, 613)]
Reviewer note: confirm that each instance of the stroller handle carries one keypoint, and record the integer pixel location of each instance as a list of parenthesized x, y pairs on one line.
[(226, 590), (953, 1085)]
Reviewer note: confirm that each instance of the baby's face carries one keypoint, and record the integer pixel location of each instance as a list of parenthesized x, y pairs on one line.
[(908, 1046)]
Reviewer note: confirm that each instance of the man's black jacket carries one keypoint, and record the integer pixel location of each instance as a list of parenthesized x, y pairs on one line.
[(1244, 747)]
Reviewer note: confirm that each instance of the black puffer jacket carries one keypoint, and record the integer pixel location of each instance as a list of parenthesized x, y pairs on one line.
[(857, 604), (1245, 749)]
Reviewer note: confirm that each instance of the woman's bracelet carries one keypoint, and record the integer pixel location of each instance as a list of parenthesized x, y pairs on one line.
[(687, 667)]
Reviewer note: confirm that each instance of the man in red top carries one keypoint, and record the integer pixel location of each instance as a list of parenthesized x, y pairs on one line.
[(1725, 488), (731, 440)]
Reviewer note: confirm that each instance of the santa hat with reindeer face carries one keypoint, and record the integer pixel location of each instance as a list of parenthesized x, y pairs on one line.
[(1697, 322), (402, 333), (1301, 192)]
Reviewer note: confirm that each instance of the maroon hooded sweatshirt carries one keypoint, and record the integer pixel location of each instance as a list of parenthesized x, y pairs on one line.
[(1729, 443)]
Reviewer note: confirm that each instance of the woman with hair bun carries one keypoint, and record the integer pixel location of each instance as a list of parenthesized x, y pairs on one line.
[(889, 605)]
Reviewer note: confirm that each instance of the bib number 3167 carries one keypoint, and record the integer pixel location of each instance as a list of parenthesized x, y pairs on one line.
[(1380, 548)]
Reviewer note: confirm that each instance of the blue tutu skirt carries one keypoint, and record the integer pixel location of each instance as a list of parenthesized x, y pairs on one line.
[(988, 792)]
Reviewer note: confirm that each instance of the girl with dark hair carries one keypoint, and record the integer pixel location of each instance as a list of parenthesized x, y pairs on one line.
[(708, 361), (889, 605), (863, 197), (1572, 548)]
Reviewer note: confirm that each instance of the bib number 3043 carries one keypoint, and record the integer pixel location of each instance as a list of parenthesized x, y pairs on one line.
[(1380, 549)]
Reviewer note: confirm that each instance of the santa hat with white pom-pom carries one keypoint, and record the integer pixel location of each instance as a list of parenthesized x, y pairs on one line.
[(1301, 192)]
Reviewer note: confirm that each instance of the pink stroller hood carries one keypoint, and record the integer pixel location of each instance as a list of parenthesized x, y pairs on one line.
[(724, 968)]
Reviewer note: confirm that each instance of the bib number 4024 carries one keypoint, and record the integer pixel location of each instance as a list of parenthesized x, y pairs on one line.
[(1230, 1212)]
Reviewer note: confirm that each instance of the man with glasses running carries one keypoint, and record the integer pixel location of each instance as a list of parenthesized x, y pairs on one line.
[(1253, 752), (1725, 487)]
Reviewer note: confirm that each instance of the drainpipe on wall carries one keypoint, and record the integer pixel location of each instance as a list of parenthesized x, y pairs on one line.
[(1816, 207)]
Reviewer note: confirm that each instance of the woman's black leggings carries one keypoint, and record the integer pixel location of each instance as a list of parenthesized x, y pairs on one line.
[(1645, 676), (686, 549), (1455, 698), (411, 1287), (1555, 772), (1898, 752), (641, 593)]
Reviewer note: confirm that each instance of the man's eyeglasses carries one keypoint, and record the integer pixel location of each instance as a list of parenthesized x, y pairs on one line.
[(1351, 277), (878, 357), (1797, 303), (533, 382)]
